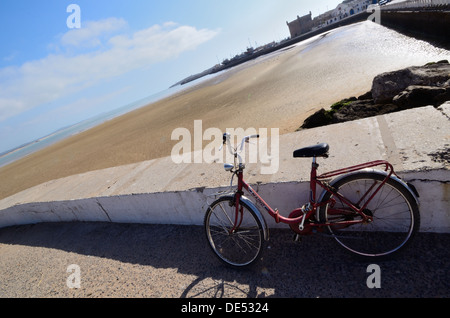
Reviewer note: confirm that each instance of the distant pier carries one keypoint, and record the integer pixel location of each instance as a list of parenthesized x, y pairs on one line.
[(424, 19)]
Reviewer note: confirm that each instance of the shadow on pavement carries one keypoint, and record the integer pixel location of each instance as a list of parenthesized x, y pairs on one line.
[(316, 267)]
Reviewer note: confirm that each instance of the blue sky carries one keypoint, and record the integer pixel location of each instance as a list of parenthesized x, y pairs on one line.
[(52, 76)]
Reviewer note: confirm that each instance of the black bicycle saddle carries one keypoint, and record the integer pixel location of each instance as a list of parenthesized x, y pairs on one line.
[(320, 150)]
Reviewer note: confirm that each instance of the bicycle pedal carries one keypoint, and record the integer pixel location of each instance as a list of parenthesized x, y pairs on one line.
[(297, 238)]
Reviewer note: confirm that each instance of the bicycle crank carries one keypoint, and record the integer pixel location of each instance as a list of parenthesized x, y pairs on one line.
[(303, 227)]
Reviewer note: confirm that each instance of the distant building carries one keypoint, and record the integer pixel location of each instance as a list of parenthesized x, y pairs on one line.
[(347, 8), (301, 25)]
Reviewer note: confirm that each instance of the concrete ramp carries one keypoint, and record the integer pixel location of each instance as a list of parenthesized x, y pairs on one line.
[(415, 141)]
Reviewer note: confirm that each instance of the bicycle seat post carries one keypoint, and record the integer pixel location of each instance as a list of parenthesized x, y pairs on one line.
[(315, 165), (313, 179)]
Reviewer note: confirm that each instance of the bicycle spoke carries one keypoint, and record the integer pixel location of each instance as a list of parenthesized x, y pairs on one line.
[(236, 245), (393, 215)]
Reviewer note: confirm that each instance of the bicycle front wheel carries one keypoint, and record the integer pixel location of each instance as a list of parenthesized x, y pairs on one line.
[(236, 243), (394, 210)]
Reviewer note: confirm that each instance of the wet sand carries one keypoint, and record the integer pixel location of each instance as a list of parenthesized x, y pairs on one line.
[(278, 90)]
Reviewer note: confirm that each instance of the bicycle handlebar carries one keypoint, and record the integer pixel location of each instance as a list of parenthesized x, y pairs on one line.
[(235, 152), (226, 140)]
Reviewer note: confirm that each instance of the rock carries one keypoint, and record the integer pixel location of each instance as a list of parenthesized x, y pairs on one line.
[(388, 85), (362, 109), (319, 118), (346, 111), (394, 91), (365, 96), (416, 96)]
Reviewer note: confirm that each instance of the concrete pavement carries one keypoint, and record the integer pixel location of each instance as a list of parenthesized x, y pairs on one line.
[(169, 261)]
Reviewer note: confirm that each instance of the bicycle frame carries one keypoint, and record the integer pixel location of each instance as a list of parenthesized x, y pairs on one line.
[(310, 210), (370, 212)]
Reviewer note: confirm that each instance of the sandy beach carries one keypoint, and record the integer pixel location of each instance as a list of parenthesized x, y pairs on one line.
[(275, 91)]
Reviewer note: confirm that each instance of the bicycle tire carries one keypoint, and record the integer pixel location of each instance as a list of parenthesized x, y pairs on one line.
[(395, 213), (244, 246)]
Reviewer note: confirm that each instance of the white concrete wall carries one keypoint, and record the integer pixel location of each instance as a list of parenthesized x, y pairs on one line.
[(189, 207), (434, 189)]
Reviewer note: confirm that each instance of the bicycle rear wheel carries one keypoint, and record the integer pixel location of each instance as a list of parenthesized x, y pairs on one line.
[(394, 210), (240, 247)]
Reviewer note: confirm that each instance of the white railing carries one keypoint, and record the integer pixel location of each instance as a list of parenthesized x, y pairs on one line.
[(418, 4)]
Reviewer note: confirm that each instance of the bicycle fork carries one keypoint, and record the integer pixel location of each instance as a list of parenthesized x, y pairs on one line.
[(239, 211)]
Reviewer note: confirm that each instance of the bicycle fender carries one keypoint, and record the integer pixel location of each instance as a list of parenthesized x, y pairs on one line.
[(411, 189), (258, 214)]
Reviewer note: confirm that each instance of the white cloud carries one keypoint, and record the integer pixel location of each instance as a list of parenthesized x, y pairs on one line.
[(91, 33), (112, 52)]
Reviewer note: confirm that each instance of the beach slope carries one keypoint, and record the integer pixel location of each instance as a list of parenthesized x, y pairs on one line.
[(279, 90)]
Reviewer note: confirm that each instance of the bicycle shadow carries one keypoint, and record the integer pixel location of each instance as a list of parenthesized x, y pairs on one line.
[(317, 267)]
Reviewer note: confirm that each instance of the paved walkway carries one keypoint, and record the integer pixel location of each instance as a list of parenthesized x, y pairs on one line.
[(125, 260)]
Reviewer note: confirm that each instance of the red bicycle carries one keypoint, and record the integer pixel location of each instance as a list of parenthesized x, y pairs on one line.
[(370, 212)]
